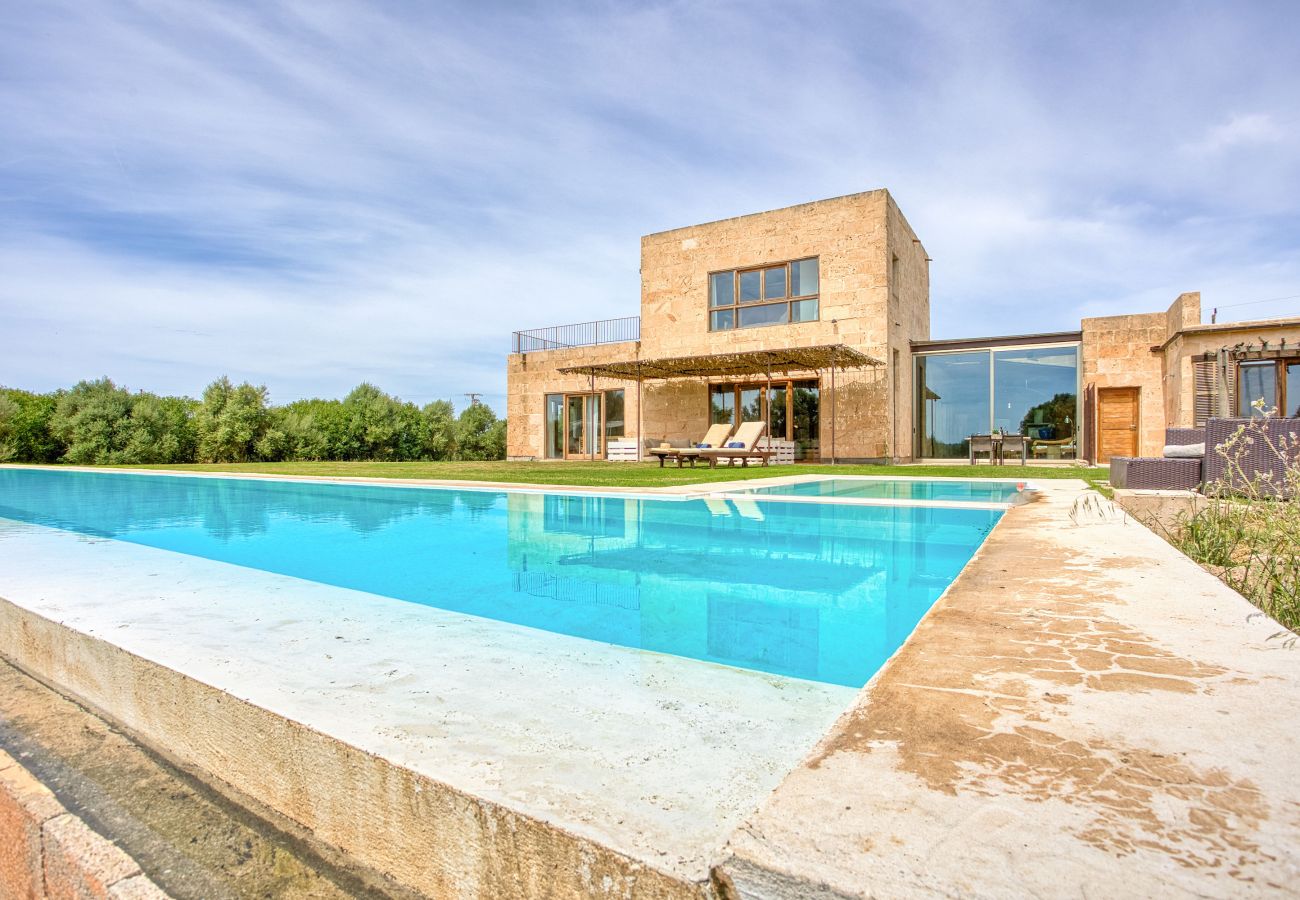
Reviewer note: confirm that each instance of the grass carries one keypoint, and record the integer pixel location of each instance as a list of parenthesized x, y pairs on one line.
[(606, 474)]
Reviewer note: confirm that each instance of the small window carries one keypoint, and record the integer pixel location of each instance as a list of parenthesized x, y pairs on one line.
[(803, 278), (767, 314), (774, 284), (722, 289), (770, 295)]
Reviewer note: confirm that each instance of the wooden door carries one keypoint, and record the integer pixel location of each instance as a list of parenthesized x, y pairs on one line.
[(1117, 423)]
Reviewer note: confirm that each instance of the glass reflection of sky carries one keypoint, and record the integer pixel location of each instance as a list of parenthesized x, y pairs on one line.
[(818, 591)]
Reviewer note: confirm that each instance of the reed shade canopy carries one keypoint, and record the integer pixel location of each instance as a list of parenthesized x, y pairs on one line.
[(726, 365), (748, 362)]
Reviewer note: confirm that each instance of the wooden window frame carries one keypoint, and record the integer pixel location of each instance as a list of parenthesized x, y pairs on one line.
[(735, 306), (1282, 402), (765, 401)]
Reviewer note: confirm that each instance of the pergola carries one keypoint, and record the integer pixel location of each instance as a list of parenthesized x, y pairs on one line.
[(741, 364)]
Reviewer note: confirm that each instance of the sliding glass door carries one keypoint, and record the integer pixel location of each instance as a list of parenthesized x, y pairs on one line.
[(1032, 391)]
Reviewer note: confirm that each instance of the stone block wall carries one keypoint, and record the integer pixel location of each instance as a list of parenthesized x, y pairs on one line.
[(873, 296), (1117, 352), (46, 852)]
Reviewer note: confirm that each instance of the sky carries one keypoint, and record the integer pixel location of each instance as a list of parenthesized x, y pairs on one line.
[(309, 195)]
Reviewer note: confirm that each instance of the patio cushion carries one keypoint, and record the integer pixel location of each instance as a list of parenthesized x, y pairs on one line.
[(737, 445), (1184, 451)]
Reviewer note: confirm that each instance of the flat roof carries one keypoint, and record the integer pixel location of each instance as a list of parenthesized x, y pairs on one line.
[(1007, 340), (766, 211)]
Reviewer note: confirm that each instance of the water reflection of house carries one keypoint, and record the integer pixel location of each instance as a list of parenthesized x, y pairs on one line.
[(788, 592)]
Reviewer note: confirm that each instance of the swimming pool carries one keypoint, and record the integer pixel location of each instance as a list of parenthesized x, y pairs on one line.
[(824, 592), (941, 490)]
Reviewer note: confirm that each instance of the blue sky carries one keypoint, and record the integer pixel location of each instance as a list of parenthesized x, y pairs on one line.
[(312, 194)]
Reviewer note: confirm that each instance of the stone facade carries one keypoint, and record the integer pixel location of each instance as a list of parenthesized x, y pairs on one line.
[(873, 297), (1157, 352)]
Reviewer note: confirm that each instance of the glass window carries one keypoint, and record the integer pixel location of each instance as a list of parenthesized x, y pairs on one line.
[(776, 412), (771, 314), (952, 402), (751, 404), (803, 311), (613, 415), (722, 289), (787, 293), (1292, 390), (554, 426), (803, 278), (1035, 393), (805, 410), (722, 404), (1258, 382), (774, 283)]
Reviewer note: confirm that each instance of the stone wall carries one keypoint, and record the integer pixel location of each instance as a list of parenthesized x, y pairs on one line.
[(1117, 352), (531, 376), (874, 297), (1184, 348), (46, 851)]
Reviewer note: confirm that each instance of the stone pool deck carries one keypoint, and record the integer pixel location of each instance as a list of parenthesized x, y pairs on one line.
[(1084, 713)]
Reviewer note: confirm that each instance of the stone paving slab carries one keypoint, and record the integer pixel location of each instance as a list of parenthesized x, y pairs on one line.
[(1085, 713)]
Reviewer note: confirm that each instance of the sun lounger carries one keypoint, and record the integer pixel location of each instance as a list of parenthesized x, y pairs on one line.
[(741, 446), (716, 436)]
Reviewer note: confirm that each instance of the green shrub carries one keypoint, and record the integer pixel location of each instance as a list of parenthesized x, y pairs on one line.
[(230, 421), (1245, 534), (25, 434)]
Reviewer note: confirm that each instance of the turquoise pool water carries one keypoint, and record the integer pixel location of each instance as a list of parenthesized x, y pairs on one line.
[(817, 591), (982, 491)]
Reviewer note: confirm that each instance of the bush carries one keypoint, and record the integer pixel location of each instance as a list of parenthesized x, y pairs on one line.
[(479, 434), (231, 421), (25, 434), (100, 423), (1245, 534), (93, 422)]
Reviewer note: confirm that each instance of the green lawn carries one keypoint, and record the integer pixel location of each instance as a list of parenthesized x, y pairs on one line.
[(622, 474)]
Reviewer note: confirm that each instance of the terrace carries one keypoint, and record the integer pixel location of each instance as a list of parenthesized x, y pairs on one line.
[(581, 334)]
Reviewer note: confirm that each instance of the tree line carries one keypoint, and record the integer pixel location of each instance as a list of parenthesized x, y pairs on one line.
[(100, 423)]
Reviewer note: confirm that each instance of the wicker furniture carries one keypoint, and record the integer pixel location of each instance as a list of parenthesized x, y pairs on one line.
[(1160, 473), (1252, 453), (1152, 474)]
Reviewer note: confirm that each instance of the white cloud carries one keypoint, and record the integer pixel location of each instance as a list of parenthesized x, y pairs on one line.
[(310, 194)]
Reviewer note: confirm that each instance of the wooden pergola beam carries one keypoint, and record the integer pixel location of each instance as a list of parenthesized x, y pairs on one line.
[(714, 365)]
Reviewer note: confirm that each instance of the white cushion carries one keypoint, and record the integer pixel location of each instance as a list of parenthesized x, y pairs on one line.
[(1185, 451)]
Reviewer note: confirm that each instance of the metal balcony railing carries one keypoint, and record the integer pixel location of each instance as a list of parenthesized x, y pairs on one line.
[(583, 334)]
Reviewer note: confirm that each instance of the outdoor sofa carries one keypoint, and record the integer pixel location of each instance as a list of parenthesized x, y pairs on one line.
[(1192, 457)]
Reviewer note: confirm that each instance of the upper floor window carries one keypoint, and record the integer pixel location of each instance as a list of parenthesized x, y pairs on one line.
[(767, 295)]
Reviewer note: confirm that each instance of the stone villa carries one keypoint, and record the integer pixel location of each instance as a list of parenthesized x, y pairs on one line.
[(816, 319)]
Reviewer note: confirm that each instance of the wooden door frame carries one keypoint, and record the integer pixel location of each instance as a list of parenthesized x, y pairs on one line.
[(564, 429), (787, 381), (1137, 418)]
